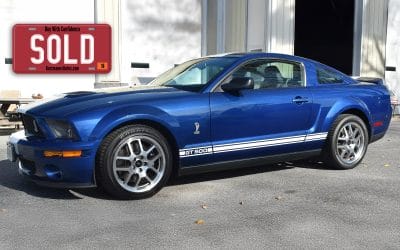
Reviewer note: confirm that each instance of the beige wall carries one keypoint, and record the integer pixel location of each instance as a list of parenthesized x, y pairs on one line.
[(108, 11), (256, 21), (250, 25), (373, 41), (211, 29), (161, 33), (393, 47), (235, 25), (280, 26)]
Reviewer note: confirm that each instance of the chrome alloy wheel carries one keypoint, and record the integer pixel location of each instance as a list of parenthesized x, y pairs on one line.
[(350, 145), (139, 163)]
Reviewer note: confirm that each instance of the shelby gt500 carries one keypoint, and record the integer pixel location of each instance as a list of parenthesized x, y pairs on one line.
[(212, 113)]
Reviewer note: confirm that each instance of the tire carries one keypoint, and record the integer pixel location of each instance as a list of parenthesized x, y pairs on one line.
[(133, 162), (347, 142)]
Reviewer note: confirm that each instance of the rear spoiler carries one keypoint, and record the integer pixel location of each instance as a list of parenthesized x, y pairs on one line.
[(378, 81)]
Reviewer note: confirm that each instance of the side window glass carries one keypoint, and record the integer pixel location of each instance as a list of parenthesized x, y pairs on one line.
[(279, 74), (328, 77), (269, 74)]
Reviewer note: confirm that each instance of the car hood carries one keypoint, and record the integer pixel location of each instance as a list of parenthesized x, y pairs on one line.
[(68, 104)]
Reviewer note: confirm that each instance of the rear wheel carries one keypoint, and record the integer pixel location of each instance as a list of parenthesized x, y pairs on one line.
[(134, 162), (347, 142)]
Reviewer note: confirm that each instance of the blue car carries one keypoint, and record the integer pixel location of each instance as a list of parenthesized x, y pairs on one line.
[(212, 113)]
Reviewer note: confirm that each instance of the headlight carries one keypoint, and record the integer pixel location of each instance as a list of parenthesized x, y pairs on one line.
[(62, 129)]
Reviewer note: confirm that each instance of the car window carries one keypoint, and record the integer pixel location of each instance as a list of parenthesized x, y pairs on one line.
[(326, 76), (193, 75), (272, 74)]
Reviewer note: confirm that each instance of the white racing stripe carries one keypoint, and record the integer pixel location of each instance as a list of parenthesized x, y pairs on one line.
[(258, 144), (315, 137), (251, 145)]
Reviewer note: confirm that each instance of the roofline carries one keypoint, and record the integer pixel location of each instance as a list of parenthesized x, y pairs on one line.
[(244, 55)]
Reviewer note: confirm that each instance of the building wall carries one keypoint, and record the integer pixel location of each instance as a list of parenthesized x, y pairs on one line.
[(270, 24), (108, 11), (256, 21), (280, 26), (373, 41), (393, 47), (235, 26), (211, 31), (40, 11), (247, 25), (162, 33)]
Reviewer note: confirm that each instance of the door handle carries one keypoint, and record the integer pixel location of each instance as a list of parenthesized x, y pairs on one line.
[(300, 100)]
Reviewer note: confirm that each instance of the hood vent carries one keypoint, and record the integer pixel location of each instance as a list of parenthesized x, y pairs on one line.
[(79, 93)]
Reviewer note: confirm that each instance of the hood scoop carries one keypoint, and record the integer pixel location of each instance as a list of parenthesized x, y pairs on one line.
[(79, 93)]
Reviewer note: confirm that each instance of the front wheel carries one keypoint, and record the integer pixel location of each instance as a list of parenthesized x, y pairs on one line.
[(347, 142), (134, 162)]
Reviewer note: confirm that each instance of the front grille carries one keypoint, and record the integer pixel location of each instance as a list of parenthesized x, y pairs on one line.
[(31, 127)]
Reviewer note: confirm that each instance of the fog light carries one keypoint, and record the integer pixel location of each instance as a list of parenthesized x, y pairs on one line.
[(53, 172), (64, 154)]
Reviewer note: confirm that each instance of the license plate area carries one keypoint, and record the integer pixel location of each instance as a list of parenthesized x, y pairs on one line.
[(11, 154)]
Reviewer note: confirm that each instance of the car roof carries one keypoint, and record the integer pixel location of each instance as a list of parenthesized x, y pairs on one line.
[(243, 56), (251, 55)]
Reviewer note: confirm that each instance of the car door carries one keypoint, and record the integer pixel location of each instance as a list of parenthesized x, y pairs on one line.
[(270, 119)]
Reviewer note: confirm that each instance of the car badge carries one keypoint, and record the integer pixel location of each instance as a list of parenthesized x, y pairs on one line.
[(197, 127)]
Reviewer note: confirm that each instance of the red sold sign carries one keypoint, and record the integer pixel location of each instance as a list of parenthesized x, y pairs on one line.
[(61, 48)]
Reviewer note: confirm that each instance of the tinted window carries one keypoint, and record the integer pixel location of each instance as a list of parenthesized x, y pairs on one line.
[(328, 77), (272, 74)]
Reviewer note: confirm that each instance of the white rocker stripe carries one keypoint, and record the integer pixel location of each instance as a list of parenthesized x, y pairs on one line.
[(189, 152), (258, 144), (315, 137), (265, 140)]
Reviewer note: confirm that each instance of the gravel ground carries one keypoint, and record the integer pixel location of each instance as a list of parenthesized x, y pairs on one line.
[(277, 206)]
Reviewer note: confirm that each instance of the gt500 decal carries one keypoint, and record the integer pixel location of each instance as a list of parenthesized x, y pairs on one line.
[(251, 144), (195, 151)]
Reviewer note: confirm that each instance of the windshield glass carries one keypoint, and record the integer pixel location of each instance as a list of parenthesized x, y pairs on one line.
[(195, 74)]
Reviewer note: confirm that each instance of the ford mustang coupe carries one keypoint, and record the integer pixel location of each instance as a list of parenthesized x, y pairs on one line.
[(212, 113)]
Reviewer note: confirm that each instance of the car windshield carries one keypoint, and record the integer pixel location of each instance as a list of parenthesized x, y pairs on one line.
[(195, 74)]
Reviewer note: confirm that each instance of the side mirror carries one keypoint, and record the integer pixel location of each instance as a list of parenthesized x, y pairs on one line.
[(237, 84)]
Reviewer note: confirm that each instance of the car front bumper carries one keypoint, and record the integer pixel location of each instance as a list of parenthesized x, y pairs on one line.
[(76, 172)]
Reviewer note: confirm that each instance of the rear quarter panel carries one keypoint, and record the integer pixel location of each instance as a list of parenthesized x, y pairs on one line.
[(331, 100)]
